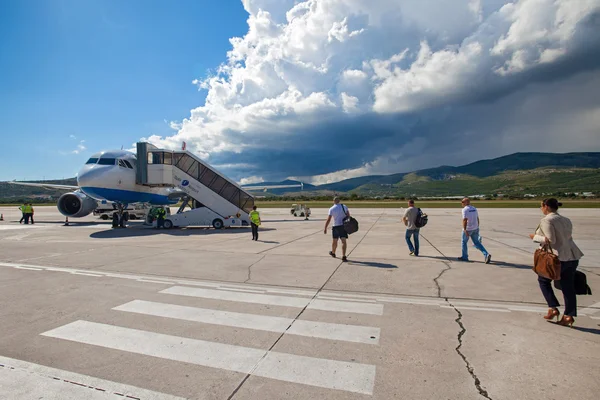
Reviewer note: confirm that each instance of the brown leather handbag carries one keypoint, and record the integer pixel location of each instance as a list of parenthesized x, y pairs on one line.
[(546, 263)]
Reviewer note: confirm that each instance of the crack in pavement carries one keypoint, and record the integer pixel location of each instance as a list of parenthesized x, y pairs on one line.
[(435, 280), (252, 265), (463, 330)]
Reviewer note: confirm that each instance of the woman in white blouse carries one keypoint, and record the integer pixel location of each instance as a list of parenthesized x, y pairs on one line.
[(557, 231)]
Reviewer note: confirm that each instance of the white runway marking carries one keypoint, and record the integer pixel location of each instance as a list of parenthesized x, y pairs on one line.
[(324, 330), (21, 380), (352, 377), (593, 309), (335, 298), (323, 305), (478, 308), (30, 268)]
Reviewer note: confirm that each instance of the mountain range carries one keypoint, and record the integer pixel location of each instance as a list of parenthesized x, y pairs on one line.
[(518, 173)]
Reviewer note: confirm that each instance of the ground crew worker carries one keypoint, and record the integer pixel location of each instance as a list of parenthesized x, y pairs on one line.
[(22, 208), (28, 213), (160, 217), (31, 211), (254, 222)]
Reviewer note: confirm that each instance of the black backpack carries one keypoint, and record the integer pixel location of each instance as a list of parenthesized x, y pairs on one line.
[(421, 219), (350, 224)]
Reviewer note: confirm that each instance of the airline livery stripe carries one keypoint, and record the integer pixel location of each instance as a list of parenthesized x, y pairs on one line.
[(324, 330), (324, 305), (352, 377), (34, 381)]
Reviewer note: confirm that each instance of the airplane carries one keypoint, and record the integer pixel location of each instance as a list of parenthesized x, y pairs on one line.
[(110, 176)]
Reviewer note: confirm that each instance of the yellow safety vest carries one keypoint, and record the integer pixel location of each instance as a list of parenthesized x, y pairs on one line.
[(255, 217), (27, 209)]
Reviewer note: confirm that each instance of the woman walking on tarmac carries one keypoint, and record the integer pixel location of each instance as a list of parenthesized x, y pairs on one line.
[(556, 230), (255, 222)]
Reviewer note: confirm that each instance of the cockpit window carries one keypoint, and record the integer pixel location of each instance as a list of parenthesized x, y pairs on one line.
[(106, 161), (92, 161), (121, 164), (128, 164)]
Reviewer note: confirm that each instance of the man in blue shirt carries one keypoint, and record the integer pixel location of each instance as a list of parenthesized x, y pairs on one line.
[(338, 212)]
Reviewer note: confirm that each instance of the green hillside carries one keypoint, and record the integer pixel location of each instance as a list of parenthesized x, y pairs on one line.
[(537, 181), (516, 174)]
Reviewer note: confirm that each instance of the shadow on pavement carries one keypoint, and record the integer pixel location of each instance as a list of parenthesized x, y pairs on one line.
[(436, 258), (372, 264), (503, 264), (588, 330), (144, 232)]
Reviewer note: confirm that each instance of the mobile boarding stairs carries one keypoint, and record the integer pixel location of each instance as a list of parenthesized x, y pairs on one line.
[(215, 200)]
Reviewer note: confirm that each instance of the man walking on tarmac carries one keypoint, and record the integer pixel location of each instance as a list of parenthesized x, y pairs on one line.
[(410, 219), (31, 211), (338, 212), (255, 222), (470, 225), (22, 208)]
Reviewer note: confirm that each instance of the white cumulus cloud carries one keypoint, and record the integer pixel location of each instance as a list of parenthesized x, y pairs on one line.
[(337, 88)]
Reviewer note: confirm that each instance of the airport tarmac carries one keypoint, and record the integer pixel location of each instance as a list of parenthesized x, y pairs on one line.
[(90, 312)]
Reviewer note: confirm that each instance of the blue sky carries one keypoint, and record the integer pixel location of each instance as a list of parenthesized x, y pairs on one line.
[(107, 72), (317, 90)]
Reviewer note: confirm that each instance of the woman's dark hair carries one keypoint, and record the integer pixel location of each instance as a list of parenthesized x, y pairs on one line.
[(552, 204), (254, 207)]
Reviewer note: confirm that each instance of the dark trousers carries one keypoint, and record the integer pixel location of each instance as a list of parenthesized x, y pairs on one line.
[(160, 223), (567, 282), (415, 234), (254, 231), (27, 216), (22, 218)]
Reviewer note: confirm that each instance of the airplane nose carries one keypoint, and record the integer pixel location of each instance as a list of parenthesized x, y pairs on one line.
[(88, 176)]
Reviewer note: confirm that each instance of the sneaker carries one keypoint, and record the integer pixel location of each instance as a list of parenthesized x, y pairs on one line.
[(344, 259), (332, 254), (412, 253), (462, 259), (488, 258)]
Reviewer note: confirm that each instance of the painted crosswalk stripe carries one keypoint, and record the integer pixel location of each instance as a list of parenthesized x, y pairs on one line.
[(285, 301), (479, 308), (594, 308), (24, 380), (324, 330), (331, 374)]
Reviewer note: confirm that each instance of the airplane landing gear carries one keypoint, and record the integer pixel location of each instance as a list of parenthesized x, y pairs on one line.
[(120, 218)]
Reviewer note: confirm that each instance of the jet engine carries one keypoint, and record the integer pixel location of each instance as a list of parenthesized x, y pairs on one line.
[(76, 204)]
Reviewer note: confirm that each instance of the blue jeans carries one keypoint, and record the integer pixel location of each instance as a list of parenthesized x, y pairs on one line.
[(414, 233), (474, 236)]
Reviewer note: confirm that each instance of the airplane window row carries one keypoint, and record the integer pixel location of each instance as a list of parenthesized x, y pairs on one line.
[(110, 161)]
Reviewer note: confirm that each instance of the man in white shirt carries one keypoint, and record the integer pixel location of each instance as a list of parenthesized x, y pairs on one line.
[(338, 212), (409, 219), (470, 223)]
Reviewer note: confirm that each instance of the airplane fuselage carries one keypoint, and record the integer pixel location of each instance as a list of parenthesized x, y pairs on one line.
[(110, 176)]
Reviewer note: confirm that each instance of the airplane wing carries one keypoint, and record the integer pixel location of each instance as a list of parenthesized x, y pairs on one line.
[(46, 185), (265, 188)]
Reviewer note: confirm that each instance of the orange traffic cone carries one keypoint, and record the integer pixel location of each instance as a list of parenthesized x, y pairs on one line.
[(67, 221)]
